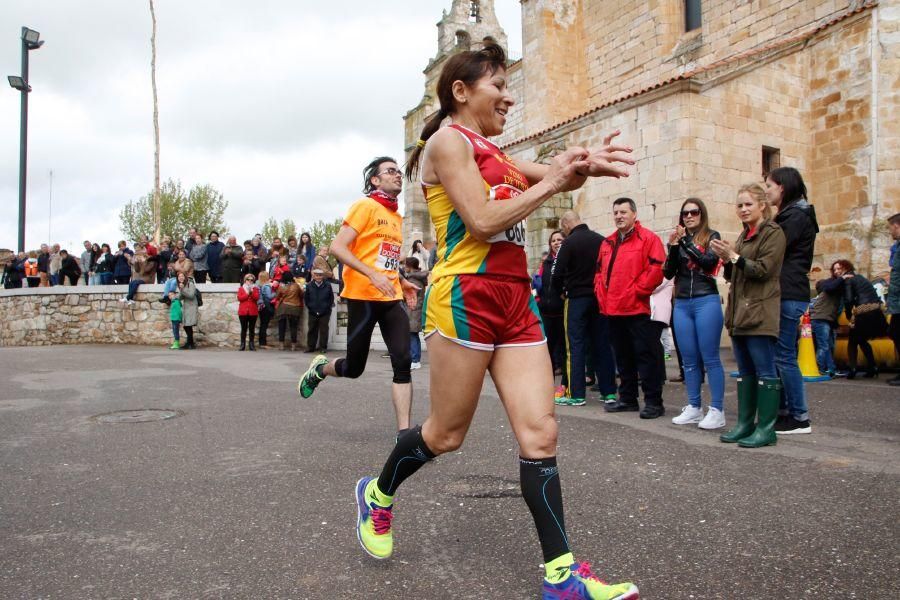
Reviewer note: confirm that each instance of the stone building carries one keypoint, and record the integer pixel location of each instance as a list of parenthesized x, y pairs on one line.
[(711, 94)]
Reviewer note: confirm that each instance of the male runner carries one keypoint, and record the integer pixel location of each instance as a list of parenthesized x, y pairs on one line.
[(368, 245)]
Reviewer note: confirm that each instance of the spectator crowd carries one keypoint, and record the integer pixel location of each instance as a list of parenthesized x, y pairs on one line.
[(613, 307)]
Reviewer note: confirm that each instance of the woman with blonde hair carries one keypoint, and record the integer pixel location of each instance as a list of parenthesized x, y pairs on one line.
[(752, 266)]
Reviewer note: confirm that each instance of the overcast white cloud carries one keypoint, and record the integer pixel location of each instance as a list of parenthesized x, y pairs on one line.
[(276, 103)]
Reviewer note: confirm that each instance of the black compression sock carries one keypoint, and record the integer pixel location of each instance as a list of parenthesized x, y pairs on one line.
[(408, 456), (543, 495)]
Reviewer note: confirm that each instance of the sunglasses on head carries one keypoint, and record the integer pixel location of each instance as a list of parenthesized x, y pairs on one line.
[(691, 212)]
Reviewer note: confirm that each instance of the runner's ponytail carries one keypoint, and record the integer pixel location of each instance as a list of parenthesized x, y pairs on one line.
[(468, 66), (431, 127)]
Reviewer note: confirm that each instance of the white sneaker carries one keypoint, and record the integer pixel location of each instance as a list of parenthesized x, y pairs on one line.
[(123, 299), (689, 414), (415, 365), (714, 419)]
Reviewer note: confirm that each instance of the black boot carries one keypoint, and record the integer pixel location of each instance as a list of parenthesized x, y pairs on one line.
[(851, 373), (252, 347)]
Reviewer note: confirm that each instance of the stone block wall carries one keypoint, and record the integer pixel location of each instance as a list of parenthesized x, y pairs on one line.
[(94, 315), (842, 145), (656, 47), (886, 115)]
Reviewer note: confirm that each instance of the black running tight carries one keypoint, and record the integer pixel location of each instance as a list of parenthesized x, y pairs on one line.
[(362, 315)]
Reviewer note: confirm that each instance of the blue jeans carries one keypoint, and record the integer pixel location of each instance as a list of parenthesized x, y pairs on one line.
[(755, 355), (793, 393), (415, 346), (132, 288), (587, 330), (823, 338), (176, 330), (171, 286), (698, 327), (106, 279)]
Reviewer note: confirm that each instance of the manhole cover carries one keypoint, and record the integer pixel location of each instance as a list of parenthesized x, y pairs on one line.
[(141, 415), (485, 486)]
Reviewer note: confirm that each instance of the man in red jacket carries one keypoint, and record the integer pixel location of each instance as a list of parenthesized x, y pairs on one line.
[(629, 267)]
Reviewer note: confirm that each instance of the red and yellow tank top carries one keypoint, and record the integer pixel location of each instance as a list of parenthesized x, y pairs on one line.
[(458, 252)]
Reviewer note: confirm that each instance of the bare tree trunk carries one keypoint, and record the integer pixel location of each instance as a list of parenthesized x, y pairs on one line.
[(157, 209)]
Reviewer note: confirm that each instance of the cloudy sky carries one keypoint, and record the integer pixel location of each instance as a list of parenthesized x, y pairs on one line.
[(276, 103)]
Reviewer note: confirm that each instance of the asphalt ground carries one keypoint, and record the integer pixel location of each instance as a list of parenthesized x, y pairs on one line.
[(249, 492)]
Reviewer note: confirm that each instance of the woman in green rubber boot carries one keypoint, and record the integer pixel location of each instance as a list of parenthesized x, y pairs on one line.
[(752, 267)]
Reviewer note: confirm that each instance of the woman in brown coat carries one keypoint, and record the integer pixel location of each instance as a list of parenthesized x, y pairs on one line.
[(753, 315), (289, 298)]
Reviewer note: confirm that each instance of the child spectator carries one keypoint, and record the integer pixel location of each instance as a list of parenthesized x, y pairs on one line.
[(414, 303), (265, 307), (175, 316), (319, 300)]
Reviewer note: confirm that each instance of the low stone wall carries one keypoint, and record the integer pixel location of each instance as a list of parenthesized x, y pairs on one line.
[(94, 315)]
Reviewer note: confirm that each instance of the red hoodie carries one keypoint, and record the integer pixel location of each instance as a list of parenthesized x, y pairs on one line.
[(628, 272)]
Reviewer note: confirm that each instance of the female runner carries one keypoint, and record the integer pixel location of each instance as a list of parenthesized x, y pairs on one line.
[(480, 315)]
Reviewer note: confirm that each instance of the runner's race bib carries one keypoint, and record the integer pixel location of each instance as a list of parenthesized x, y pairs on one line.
[(516, 233), (388, 257)]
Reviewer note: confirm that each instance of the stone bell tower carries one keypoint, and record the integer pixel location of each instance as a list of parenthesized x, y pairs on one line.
[(467, 24)]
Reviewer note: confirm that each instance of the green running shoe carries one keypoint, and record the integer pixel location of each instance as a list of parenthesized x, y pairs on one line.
[(566, 401), (307, 384)]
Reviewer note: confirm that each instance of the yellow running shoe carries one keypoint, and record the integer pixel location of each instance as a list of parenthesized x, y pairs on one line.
[(582, 584), (373, 523)]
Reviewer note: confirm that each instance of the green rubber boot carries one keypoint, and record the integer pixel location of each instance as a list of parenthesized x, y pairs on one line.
[(746, 391), (767, 399)]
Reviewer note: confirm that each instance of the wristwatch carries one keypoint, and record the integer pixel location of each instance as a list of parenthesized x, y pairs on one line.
[(735, 258)]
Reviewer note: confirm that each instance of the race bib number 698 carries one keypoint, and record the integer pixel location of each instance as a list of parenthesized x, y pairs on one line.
[(388, 257)]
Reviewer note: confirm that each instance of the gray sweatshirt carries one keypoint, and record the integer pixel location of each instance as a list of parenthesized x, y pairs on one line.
[(198, 255), (86, 262)]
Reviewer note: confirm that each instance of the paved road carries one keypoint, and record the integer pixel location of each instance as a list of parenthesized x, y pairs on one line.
[(248, 494)]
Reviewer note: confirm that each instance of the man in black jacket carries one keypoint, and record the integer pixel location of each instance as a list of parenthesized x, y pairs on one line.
[(69, 271), (15, 271), (319, 298), (587, 331), (786, 191)]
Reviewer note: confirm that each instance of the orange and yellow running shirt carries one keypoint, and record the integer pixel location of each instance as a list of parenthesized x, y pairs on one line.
[(458, 252), (377, 244)]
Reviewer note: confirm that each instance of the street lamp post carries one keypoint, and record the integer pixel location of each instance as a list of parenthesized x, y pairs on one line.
[(30, 41)]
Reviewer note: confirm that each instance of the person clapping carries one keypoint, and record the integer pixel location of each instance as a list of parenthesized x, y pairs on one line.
[(248, 295)]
